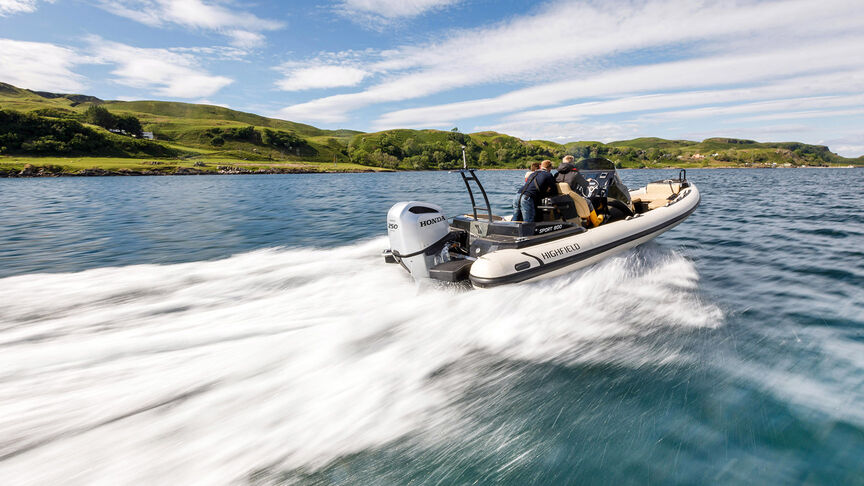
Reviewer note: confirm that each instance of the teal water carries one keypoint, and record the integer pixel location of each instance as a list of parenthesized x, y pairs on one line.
[(244, 329)]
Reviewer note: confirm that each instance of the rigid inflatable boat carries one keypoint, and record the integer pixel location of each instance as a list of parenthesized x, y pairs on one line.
[(574, 229)]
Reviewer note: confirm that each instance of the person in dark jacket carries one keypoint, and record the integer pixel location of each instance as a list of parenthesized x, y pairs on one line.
[(540, 184), (567, 172)]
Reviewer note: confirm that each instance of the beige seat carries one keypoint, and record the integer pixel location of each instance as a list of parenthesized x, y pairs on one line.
[(657, 194), (582, 208)]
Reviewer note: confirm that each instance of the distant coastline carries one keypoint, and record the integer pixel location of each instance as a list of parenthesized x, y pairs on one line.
[(50, 170), (50, 135), (33, 171)]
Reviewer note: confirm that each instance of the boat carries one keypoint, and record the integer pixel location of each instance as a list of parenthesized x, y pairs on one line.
[(574, 229)]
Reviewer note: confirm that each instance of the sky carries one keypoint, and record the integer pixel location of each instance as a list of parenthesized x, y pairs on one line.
[(790, 70)]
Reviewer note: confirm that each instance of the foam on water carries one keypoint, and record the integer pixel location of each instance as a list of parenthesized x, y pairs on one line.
[(206, 372)]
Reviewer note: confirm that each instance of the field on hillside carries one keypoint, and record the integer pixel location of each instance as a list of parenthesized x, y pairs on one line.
[(11, 166), (55, 134), (186, 135)]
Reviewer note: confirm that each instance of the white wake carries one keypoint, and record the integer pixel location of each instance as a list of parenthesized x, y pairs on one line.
[(201, 373)]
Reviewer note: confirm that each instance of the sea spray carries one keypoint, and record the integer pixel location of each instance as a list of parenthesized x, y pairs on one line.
[(205, 372)]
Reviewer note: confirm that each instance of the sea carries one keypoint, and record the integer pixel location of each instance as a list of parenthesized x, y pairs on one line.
[(245, 330)]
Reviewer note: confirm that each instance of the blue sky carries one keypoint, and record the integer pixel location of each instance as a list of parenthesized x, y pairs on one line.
[(787, 70)]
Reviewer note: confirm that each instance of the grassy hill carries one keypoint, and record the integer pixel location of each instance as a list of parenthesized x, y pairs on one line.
[(200, 138), (57, 133), (434, 149)]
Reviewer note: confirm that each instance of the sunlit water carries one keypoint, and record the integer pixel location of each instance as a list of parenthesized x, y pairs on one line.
[(232, 330)]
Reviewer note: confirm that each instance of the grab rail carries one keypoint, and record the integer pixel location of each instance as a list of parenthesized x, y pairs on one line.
[(474, 207)]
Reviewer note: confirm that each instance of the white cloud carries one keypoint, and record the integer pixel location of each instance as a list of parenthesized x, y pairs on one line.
[(792, 108), (567, 132), (838, 79), (391, 9), (164, 72), (853, 151), (567, 39), (759, 71), (39, 66), (220, 53), (246, 39), (244, 29), (323, 76), (9, 7), (808, 114)]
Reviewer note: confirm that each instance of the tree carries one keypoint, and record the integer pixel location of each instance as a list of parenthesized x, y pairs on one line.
[(501, 154), (383, 159), (99, 115), (410, 147), (129, 124), (246, 133), (419, 162), (360, 156), (483, 159), (440, 158)]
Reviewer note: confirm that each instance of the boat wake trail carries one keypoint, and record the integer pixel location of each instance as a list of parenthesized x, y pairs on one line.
[(207, 372)]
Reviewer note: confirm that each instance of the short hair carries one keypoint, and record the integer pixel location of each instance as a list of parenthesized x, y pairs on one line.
[(535, 165), (546, 164), (568, 159)]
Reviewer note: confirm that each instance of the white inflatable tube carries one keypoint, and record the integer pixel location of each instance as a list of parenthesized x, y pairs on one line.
[(564, 255)]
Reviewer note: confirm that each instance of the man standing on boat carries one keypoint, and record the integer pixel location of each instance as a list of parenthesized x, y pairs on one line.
[(567, 172), (540, 184)]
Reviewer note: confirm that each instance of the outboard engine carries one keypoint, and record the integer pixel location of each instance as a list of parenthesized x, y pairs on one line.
[(418, 234)]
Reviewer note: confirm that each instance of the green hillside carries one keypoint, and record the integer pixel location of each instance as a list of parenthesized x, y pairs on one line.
[(190, 135), (158, 112), (434, 149), (55, 133), (646, 143), (39, 135)]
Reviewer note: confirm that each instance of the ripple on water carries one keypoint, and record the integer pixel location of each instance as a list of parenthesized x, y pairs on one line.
[(254, 335)]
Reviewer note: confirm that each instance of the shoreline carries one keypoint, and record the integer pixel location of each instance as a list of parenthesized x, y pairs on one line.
[(31, 171)]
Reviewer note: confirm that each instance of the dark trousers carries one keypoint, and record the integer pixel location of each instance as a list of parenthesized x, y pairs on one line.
[(523, 208)]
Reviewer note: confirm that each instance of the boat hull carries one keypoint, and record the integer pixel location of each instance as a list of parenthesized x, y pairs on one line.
[(567, 254)]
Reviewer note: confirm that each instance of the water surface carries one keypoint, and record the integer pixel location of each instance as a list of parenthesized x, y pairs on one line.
[(243, 329)]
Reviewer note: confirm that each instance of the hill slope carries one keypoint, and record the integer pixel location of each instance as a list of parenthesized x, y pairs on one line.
[(185, 130), (434, 149), (42, 124)]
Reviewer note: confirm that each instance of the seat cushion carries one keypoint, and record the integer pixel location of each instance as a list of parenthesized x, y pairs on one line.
[(582, 208)]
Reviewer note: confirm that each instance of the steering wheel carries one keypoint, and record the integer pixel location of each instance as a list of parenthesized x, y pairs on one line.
[(591, 187)]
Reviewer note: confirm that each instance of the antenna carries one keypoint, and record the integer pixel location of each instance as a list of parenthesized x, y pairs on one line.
[(464, 159)]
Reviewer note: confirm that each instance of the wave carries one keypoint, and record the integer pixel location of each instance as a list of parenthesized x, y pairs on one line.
[(204, 372)]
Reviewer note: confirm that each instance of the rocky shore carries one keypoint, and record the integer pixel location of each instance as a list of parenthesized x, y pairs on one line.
[(55, 171)]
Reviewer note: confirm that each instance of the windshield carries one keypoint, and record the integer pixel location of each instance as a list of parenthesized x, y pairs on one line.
[(595, 163)]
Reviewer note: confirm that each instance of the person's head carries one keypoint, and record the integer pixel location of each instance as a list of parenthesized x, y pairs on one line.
[(546, 165), (568, 159), (535, 166)]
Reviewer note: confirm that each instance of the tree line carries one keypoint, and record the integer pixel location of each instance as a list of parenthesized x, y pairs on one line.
[(286, 142), (433, 149), (429, 149), (28, 133), (100, 116)]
